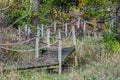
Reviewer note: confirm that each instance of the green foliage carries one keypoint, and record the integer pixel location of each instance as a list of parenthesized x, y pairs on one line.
[(110, 41), (16, 11), (95, 8)]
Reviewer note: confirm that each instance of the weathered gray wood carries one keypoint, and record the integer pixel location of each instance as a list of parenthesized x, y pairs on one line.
[(37, 43), (112, 23), (42, 30), (84, 27), (26, 28), (74, 36), (66, 30), (76, 60), (48, 37), (54, 26), (60, 52), (19, 32), (28, 32), (78, 22)]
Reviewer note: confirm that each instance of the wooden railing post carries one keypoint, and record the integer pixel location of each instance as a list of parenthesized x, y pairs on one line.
[(84, 27), (26, 30), (59, 52), (29, 31), (74, 43), (42, 30), (26, 27), (19, 32), (66, 30), (48, 37), (74, 36), (54, 26), (78, 22), (37, 43)]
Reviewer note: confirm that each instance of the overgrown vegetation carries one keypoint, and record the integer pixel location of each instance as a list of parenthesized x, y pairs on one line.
[(94, 64), (98, 57)]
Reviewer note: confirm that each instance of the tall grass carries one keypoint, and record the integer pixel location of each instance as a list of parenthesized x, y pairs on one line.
[(95, 61)]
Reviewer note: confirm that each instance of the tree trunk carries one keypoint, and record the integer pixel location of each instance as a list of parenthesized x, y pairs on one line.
[(35, 9)]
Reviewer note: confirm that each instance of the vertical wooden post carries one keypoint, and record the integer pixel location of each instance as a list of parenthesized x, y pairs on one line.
[(26, 31), (42, 30), (48, 37), (54, 26), (74, 43), (37, 43), (19, 32), (112, 24), (78, 22), (95, 35), (74, 37), (66, 30), (26, 28), (29, 31), (59, 52), (84, 27)]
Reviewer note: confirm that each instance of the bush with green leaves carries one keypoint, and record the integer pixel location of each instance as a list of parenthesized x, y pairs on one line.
[(110, 41)]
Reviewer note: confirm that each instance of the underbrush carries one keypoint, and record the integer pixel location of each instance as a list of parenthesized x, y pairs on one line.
[(96, 62)]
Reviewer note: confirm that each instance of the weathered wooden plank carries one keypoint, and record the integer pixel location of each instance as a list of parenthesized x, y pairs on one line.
[(44, 60)]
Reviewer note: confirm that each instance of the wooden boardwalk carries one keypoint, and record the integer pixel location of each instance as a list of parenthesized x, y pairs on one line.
[(47, 59)]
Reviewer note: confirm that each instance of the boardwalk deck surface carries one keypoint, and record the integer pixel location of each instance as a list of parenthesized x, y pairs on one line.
[(49, 58)]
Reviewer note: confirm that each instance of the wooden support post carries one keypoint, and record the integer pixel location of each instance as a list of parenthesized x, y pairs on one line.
[(112, 24), (37, 43), (26, 28), (19, 32), (54, 26), (48, 37), (29, 31), (26, 31), (74, 37), (59, 52), (66, 30), (78, 22), (84, 27), (74, 43), (42, 30)]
